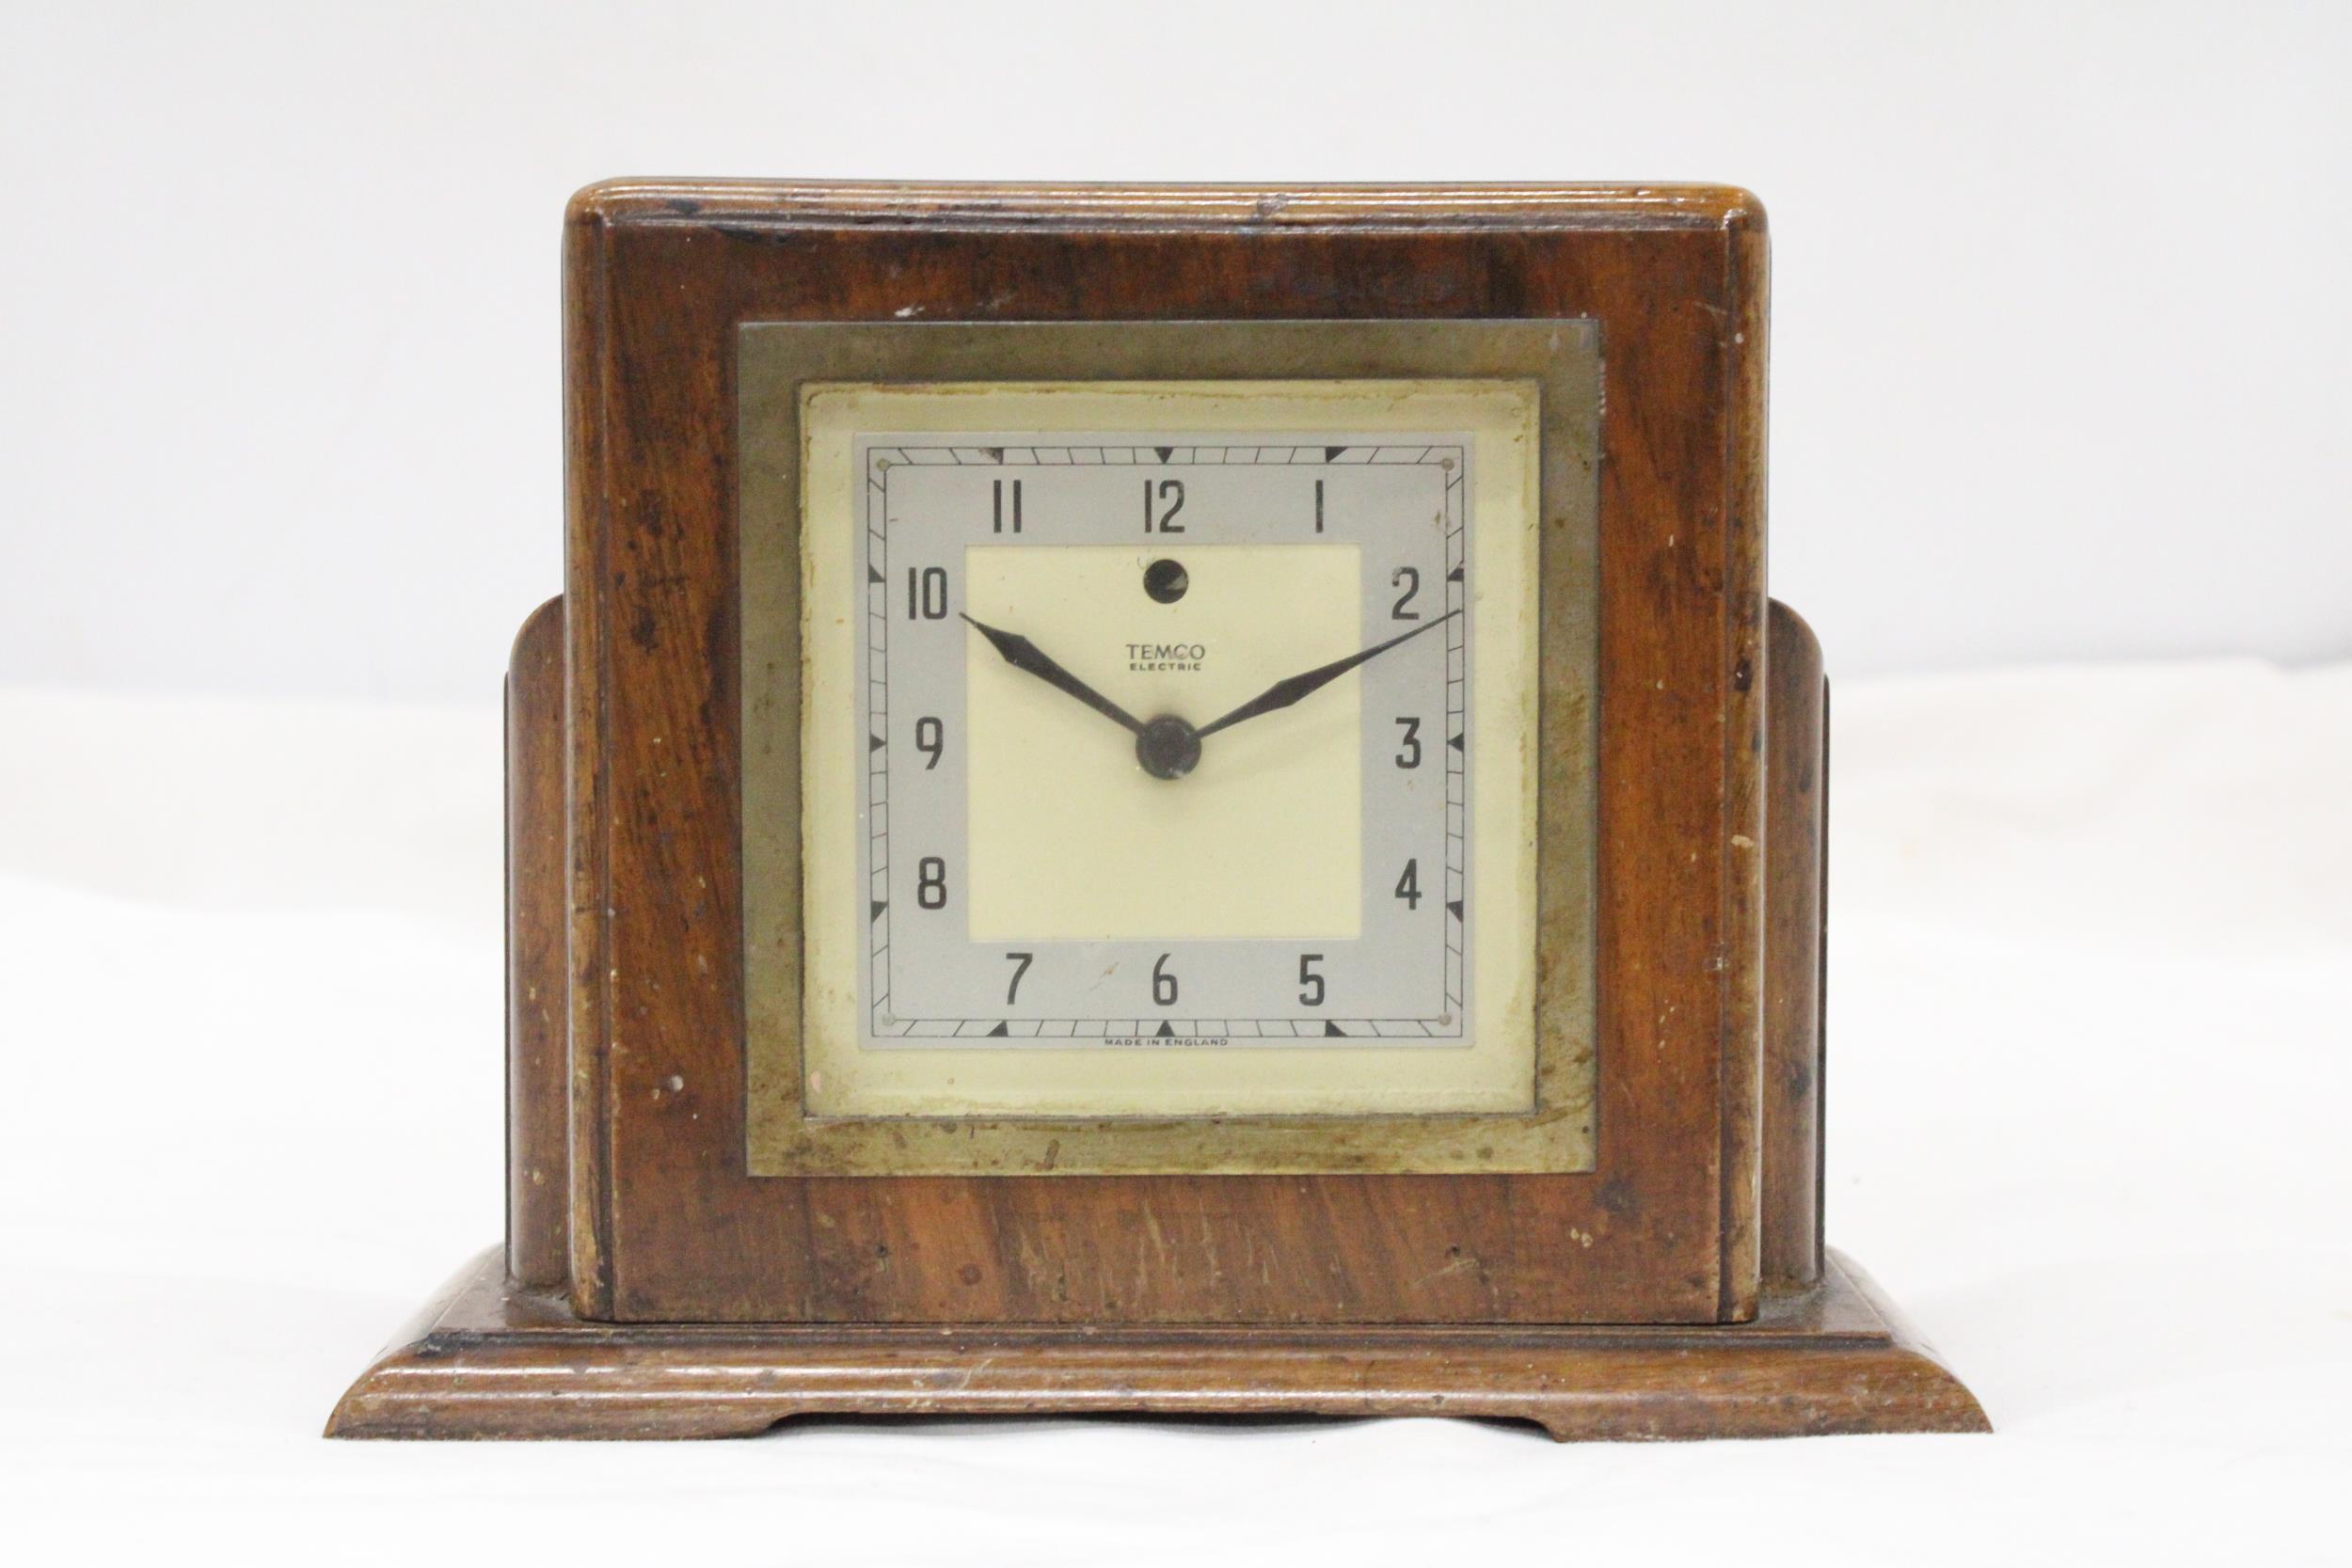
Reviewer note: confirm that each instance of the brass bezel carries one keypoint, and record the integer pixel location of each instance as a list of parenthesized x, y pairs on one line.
[(775, 360)]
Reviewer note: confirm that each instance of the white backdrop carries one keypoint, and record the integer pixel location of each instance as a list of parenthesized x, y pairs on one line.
[(2060, 323), (2058, 375)]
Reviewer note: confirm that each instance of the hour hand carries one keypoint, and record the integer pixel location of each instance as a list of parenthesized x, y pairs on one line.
[(1021, 654)]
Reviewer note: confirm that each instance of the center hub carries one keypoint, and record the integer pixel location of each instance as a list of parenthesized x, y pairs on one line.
[(1169, 748)]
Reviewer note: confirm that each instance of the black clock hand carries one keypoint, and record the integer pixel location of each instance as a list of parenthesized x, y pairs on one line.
[(1282, 694), (1021, 654)]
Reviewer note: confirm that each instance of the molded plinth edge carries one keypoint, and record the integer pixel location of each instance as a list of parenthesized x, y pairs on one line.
[(491, 1360)]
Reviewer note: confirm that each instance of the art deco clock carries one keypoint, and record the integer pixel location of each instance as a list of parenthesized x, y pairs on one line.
[(1165, 799)]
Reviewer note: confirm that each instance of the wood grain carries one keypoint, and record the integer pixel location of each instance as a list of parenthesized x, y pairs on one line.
[(587, 887), (491, 1361), (666, 1225), (1743, 788), (1796, 833), (537, 1191)]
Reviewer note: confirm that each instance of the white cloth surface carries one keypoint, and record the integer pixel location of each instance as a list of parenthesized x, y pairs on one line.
[(2090, 1068)]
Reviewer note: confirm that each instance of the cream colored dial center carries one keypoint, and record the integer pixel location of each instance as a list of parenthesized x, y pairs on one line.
[(1071, 840)]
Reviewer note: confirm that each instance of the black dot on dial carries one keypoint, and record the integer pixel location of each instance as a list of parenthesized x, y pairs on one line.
[(1166, 582)]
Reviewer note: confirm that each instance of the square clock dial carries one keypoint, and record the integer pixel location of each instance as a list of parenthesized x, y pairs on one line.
[(1163, 748), (1167, 738)]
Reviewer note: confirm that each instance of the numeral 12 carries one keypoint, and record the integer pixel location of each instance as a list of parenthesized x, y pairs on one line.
[(1171, 498)]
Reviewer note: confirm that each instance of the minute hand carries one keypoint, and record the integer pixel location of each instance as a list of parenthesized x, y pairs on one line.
[(1021, 654), (1282, 694)]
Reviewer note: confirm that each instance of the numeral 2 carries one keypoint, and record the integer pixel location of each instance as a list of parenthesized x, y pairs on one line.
[(1409, 580)]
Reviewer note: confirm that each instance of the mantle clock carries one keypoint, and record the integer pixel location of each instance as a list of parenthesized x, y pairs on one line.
[(1162, 798)]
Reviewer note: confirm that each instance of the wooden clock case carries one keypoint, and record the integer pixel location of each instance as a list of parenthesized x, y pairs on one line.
[(650, 1287)]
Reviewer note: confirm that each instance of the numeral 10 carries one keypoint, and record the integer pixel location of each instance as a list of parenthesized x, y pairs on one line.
[(927, 593)]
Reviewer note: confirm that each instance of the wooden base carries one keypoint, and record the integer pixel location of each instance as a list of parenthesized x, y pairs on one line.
[(488, 1359)]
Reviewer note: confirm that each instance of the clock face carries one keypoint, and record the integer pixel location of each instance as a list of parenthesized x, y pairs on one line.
[(1166, 749), (1166, 736)]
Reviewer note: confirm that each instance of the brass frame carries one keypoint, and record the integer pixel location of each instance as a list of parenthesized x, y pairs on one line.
[(775, 360)]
